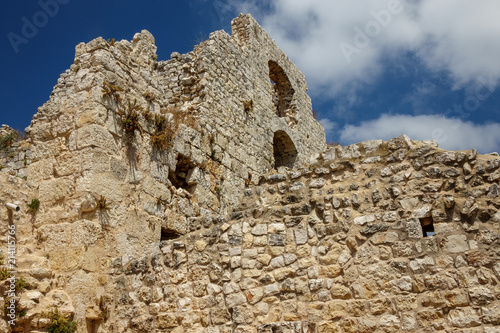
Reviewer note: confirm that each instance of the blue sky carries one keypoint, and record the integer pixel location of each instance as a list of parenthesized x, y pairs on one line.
[(375, 69)]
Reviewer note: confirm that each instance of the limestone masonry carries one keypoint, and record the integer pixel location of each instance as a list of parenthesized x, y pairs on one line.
[(197, 194)]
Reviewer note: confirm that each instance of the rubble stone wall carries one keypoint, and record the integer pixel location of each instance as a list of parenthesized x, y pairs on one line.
[(338, 246)]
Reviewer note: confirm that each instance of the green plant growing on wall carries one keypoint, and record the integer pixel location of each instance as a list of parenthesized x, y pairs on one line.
[(111, 42), (162, 138), (102, 203), (211, 138), (4, 274), (148, 115), (59, 323), (248, 106), (149, 96), (34, 205), (8, 139), (104, 314), (111, 91), (161, 122), (218, 189), (160, 201), (131, 119), (165, 130), (20, 285), (6, 304), (248, 181)]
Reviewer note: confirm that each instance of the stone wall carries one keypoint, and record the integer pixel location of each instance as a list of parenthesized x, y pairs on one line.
[(341, 246), (196, 195), (379, 236), (15, 154)]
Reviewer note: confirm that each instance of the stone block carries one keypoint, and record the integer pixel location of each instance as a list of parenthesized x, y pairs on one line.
[(41, 170), (93, 136), (166, 321), (384, 238), (331, 271), (431, 319), (339, 291), (389, 323), (413, 228), (456, 297), (259, 229), (362, 220), (348, 152), (481, 295), (56, 189), (301, 236), (454, 244), (491, 314), (334, 310), (235, 300), (464, 317)]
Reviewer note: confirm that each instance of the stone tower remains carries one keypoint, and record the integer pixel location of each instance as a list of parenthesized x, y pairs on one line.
[(197, 194)]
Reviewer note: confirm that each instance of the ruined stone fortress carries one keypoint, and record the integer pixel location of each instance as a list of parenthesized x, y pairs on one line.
[(197, 194)]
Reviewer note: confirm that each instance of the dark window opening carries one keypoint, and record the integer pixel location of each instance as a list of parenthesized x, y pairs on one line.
[(179, 176), (168, 234), (427, 225), (282, 90), (93, 325), (285, 152)]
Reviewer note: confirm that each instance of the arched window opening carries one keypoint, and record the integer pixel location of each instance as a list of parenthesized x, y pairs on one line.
[(282, 90), (285, 152)]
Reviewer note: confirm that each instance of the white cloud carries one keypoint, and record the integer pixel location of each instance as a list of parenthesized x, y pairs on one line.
[(327, 124), (450, 133), (458, 36)]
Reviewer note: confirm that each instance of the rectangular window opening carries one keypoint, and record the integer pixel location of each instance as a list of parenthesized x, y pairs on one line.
[(168, 234), (427, 225)]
